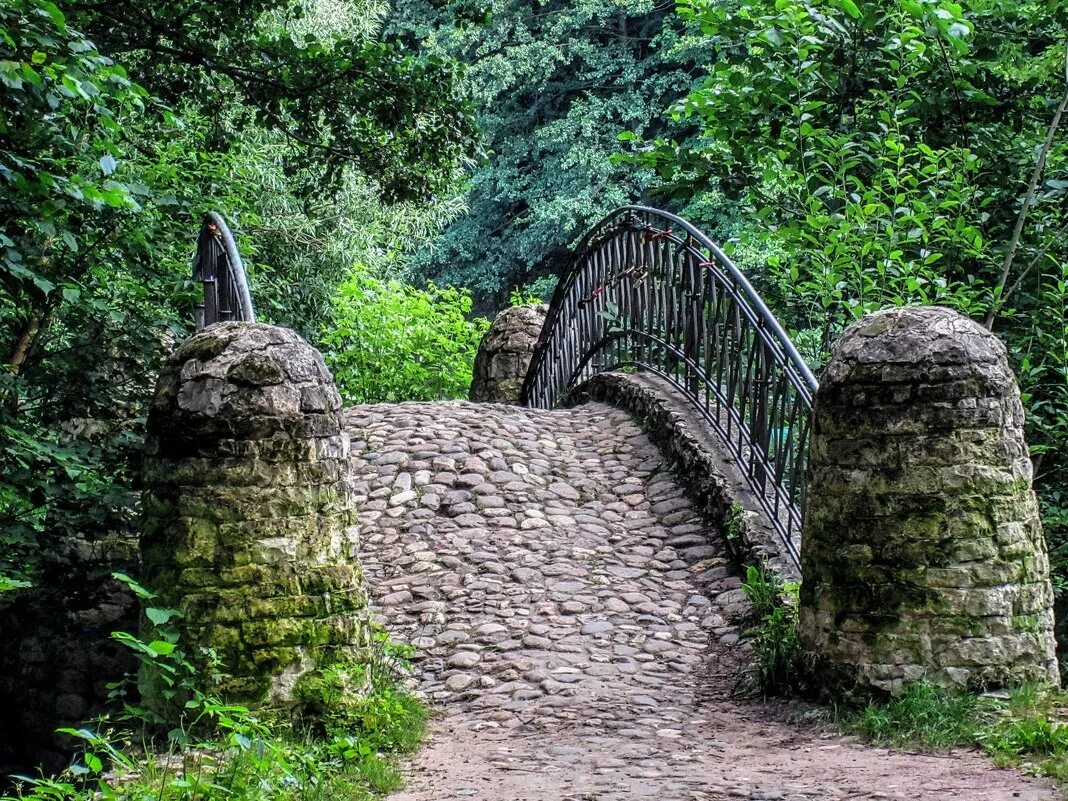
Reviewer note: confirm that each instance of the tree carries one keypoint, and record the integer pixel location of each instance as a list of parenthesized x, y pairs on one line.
[(554, 83), (114, 139), (890, 153)]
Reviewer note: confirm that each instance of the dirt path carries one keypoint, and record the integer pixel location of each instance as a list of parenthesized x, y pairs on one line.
[(575, 622)]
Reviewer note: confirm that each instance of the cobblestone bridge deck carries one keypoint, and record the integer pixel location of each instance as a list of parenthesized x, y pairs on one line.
[(576, 623)]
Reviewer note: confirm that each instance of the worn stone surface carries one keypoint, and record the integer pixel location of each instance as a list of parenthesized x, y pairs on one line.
[(923, 554), (58, 655), (710, 476), (248, 519), (576, 622), (505, 353)]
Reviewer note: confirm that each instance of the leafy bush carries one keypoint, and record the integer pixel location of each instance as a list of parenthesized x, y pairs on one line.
[(218, 750), (394, 342)]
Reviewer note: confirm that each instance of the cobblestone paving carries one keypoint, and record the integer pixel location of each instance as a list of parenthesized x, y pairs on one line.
[(575, 622)]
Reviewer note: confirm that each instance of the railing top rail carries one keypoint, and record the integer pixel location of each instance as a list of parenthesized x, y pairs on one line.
[(755, 301), (219, 267)]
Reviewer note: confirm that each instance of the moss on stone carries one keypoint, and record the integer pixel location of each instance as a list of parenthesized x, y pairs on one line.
[(921, 529), (247, 498)]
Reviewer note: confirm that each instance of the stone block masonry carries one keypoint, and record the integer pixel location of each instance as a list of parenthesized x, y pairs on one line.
[(505, 353), (922, 553), (249, 527)]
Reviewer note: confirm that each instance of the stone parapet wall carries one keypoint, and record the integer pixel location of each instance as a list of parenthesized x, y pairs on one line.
[(705, 471), (922, 553), (58, 656), (249, 526), (505, 353)]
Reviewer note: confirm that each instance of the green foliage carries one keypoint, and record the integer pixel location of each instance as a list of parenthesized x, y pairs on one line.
[(216, 750), (8, 584), (1025, 727), (540, 291), (115, 137), (359, 699), (394, 342), (907, 152), (341, 96), (922, 715), (554, 82), (774, 637)]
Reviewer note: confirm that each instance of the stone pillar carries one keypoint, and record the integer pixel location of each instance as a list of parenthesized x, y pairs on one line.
[(505, 353), (922, 553), (248, 524)]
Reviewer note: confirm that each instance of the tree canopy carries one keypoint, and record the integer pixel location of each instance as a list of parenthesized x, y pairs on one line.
[(554, 84), (119, 126)]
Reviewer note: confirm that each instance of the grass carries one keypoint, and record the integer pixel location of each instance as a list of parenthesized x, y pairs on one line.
[(1026, 728), (774, 631), (346, 751), (259, 760)]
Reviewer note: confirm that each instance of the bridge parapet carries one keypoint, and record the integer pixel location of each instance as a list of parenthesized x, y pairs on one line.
[(248, 521), (922, 554)]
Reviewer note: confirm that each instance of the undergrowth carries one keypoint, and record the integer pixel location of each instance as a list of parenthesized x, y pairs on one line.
[(1026, 727), (354, 722), (774, 633)]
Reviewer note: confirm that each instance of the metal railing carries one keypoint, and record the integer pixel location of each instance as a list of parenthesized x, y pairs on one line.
[(648, 291), (219, 268)]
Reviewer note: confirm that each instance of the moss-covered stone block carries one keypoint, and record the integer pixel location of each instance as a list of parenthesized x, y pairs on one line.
[(922, 552)]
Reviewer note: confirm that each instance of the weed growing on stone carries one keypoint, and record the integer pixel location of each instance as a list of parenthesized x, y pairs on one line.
[(774, 636), (734, 523), (1027, 727), (354, 720)]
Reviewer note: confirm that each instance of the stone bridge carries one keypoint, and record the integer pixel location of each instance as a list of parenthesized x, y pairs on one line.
[(571, 590), (577, 622), (569, 579)]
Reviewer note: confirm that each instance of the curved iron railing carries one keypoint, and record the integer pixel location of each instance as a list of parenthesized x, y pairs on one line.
[(647, 290), (219, 267)]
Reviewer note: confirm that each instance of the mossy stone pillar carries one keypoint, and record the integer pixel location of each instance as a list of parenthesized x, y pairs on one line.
[(922, 553), (505, 353), (248, 526)]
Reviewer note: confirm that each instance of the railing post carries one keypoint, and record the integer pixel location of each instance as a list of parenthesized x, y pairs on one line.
[(219, 268)]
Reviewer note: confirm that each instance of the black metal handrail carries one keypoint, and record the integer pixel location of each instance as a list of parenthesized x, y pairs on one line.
[(219, 268), (647, 290)]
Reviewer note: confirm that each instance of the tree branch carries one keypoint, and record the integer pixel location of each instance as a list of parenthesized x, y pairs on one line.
[(1029, 199)]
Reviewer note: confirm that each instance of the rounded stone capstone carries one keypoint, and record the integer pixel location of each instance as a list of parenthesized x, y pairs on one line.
[(248, 521), (235, 371), (922, 552), (504, 354)]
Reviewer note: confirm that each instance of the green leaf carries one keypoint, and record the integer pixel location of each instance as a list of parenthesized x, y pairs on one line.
[(850, 8), (137, 589), (161, 616)]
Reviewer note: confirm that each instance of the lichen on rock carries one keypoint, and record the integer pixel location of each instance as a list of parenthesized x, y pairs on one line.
[(249, 528), (505, 353)]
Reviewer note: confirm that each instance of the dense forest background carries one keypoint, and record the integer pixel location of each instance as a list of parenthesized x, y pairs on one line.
[(850, 155)]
